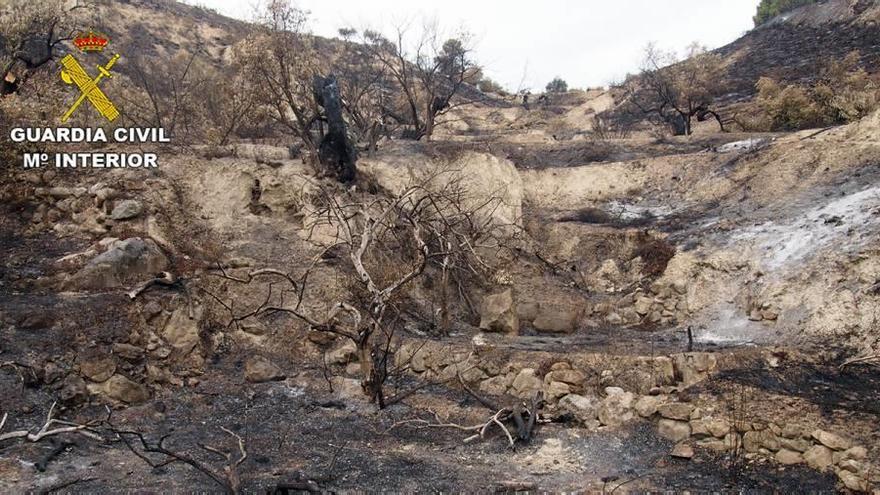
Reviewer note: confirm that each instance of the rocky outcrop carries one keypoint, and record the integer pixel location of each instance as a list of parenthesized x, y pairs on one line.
[(258, 369), (126, 262), (498, 313)]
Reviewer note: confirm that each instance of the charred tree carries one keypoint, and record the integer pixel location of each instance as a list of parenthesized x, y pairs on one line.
[(336, 150)]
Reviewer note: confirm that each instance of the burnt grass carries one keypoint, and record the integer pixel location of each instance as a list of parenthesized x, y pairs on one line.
[(855, 388)]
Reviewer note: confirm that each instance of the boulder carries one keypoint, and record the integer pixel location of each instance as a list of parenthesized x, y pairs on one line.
[(584, 409), (789, 457), (497, 385), (343, 354), (647, 405), (133, 260), (792, 431), (258, 369), (671, 429), (853, 481), (664, 371), (123, 389), (643, 305), (554, 390), (718, 427), (755, 440), (571, 377), (818, 457), (128, 352), (832, 440), (858, 453), (126, 209), (616, 408), (348, 389), (676, 410), (527, 311), (526, 384), (682, 451), (98, 369), (181, 331), (693, 367), (852, 466), (498, 313), (796, 444), (555, 320)]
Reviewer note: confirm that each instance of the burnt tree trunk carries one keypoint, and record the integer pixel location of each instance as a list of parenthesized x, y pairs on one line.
[(336, 150)]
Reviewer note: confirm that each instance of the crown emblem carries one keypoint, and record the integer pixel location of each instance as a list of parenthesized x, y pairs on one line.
[(91, 42)]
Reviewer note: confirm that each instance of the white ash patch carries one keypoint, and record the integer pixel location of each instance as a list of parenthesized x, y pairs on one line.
[(845, 224)]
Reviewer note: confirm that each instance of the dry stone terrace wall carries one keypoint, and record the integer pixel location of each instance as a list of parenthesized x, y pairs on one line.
[(597, 390)]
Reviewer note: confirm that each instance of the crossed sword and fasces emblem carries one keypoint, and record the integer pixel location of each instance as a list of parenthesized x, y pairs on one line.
[(73, 73)]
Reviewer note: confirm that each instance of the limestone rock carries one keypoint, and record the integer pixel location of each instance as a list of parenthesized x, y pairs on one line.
[(616, 408), (585, 409), (852, 466), (343, 354), (99, 369), (755, 440), (555, 320), (792, 431), (818, 457), (181, 331), (796, 444), (123, 389), (718, 427), (554, 390), (676, 410), (664, 371), (497, 385), (128, 352), (858, 453), (571, 377), (133, 260), (646, 406), (698, 429), (126, 209), (643, 305), (527, 311), (671, 429), (832, 440), (853, 481), (258, 369), (682, 451), (526, 383), (498, 313), (788, 457), (693, 367)]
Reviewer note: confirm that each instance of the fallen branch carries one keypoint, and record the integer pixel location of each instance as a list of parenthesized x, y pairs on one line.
[(45, 430), (165, 279), (860, 359)]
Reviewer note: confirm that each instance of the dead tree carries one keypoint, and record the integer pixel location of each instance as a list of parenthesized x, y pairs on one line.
[(30, 33), (387, 243), (280, 57), (431, 78), (336, 151), (367, 91), (674, 92)]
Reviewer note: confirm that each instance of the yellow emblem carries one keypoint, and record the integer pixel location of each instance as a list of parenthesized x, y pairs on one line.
[(73, 73)]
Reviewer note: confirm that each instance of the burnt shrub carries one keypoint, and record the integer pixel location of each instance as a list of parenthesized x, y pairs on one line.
[(655, 254)]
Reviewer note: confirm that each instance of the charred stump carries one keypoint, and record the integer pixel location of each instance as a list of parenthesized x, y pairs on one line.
[(336, 150)]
